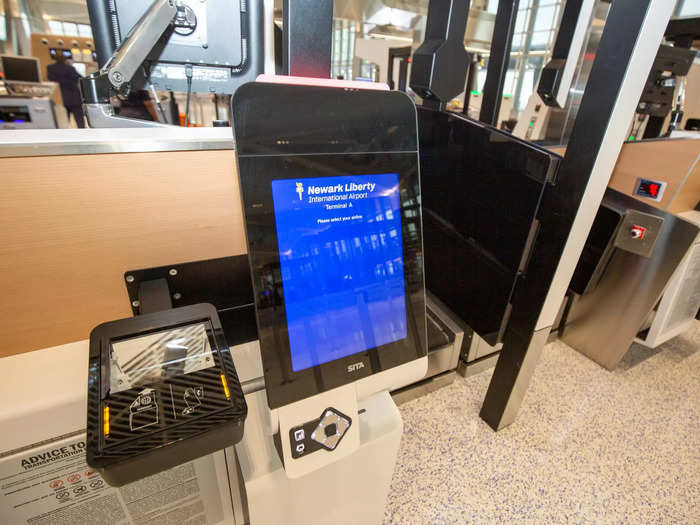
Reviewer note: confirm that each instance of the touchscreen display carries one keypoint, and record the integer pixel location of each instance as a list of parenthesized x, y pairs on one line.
[(148, 359), (341, 259)]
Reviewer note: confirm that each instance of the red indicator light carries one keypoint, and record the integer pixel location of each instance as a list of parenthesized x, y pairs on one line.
[(638, 232), (650, 189)]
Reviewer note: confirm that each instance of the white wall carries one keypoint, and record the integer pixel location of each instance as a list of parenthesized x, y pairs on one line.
[(377, 50)]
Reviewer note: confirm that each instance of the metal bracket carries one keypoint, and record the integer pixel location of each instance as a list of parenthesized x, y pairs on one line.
[(154, 296), (102, 116), (223, 282), (118, 71)]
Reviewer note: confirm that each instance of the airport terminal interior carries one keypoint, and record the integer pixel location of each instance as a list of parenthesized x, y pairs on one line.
[(349, 261)]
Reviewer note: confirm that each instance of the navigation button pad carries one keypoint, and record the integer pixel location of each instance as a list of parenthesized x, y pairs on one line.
[(324, 433), (330, 429)]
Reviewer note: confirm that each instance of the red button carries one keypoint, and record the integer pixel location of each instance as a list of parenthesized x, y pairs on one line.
[(638, 232)]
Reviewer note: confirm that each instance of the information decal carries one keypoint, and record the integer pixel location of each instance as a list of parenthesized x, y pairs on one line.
[(341, 257), (52, 485)]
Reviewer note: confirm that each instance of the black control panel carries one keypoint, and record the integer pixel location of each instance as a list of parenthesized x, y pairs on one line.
[(326, 432)]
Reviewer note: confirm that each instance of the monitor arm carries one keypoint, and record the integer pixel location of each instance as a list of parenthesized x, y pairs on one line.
[(115, 75)]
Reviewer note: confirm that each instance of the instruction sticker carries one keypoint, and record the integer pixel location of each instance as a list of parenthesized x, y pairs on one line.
[(52, 485)]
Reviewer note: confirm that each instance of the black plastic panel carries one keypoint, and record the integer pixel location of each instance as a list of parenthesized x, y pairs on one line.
[(313, 120), (223, 282), (597, 250), (481, 190), (226, 47)]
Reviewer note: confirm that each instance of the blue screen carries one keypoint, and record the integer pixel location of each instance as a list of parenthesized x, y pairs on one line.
[(341, 260)]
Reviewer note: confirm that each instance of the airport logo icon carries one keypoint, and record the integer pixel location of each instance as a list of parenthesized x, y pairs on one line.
[(300, 189)]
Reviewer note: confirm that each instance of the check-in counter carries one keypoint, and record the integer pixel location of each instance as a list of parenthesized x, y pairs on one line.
[(82, 207)]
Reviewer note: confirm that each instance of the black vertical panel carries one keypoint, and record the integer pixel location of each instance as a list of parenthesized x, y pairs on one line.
[(102, 30), (440, 63), (403, 54), (307, 28), (498, 60), (560, 202), (654, 127), (481, 188), (550, 78), (471, 78)]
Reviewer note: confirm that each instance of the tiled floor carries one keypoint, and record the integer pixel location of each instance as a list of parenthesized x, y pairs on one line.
[(589, 446)]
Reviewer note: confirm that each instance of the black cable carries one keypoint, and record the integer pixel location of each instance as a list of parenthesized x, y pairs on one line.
[(188, 74)]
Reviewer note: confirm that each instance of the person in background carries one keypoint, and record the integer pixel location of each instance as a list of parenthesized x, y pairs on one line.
[(63, 72)]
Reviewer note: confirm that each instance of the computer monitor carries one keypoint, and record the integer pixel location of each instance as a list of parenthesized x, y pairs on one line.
[(331, 199), (20, 69), (225, 47)]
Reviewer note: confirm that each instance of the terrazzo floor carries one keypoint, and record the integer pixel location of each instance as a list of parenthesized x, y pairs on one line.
[(589, 445)]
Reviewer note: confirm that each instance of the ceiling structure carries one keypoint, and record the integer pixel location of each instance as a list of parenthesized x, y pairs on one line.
[(401, 16)]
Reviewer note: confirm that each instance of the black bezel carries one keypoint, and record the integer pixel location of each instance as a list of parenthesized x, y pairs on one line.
[(317, 143), (217, 409)]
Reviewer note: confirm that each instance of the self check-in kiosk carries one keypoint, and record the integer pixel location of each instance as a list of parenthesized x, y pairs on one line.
[(331, 200)]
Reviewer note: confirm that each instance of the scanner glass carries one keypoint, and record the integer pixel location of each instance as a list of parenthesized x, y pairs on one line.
[(159, 356)]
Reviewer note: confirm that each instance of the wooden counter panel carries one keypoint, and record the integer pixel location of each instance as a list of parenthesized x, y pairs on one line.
[(663, 160), (73, 225)]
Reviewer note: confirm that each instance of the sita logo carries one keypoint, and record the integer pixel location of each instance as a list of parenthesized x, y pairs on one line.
[(355, 367), (300, 189)]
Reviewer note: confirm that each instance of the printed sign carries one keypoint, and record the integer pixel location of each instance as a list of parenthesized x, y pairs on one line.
[(52, 485)]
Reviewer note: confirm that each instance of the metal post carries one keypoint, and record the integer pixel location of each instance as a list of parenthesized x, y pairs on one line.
[(307, 37), (627, 50), (499, 58), (474, 61), (403, 54), (103, 34), (439, 65), (525, 56), (557, 75), (8, 47)]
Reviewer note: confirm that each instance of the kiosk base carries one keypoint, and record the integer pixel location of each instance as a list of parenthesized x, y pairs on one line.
[(350, 490)]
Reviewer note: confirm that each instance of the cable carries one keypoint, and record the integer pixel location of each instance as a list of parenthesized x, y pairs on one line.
[(156, 99), (188, 74)]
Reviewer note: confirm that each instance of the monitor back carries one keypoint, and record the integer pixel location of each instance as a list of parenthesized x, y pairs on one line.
[(481, 191), (225, 48), (20, 69)]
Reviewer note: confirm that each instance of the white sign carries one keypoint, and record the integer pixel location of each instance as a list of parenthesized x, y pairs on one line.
[(51, 484)]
